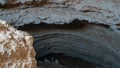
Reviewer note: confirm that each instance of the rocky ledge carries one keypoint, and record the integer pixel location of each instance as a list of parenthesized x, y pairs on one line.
[(20, 12), (16, 50)]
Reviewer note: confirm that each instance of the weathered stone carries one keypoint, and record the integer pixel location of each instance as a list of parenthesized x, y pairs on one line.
[(16, 49), (60, 11)]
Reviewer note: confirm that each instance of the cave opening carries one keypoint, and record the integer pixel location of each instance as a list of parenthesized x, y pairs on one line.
[(53, 60), (52, 38), (74, 25)]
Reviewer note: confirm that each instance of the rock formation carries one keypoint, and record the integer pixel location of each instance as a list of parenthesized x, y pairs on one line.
[(87, 29), (16, 49), (20, 12), (95, 43)]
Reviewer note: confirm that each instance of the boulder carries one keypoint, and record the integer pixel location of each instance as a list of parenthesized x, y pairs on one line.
[(16, 50)]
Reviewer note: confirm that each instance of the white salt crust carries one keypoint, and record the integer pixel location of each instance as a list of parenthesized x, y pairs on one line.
[(10, 40)]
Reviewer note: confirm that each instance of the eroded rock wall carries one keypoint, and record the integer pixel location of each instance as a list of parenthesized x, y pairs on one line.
[(95, 43), (20, 12)]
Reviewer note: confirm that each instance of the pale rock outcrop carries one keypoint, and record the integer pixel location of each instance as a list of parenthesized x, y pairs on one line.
[(16, 49), (59, 11)]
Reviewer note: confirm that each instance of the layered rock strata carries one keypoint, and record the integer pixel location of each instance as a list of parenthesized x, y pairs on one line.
[(16, 50), (95, 43), (20, 12)]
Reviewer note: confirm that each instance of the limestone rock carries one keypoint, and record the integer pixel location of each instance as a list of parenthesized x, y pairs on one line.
[(60, 11), (16, 49)]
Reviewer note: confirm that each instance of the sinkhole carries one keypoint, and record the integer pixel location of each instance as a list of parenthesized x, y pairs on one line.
[(79, 44)]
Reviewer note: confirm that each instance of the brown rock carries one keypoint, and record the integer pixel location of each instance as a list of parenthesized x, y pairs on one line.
[(16, 49)]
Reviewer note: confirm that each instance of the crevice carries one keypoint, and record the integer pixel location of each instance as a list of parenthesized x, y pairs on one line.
[(33, 3), (74, 25), (8, 5)]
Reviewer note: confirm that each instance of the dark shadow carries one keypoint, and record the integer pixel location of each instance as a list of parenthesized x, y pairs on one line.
[(68, 61), (74, 25)]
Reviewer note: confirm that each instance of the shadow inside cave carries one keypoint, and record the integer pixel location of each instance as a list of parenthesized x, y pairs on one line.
[(63, 61), (52, 37)]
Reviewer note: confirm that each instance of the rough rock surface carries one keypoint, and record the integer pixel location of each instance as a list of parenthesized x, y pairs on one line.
[(20, 12), (16, 49), (97, 43)]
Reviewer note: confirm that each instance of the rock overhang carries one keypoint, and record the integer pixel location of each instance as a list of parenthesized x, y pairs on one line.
[(61, 11)]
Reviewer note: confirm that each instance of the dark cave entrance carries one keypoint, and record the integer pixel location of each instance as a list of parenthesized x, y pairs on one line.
[(53, 60), (65, 61)]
